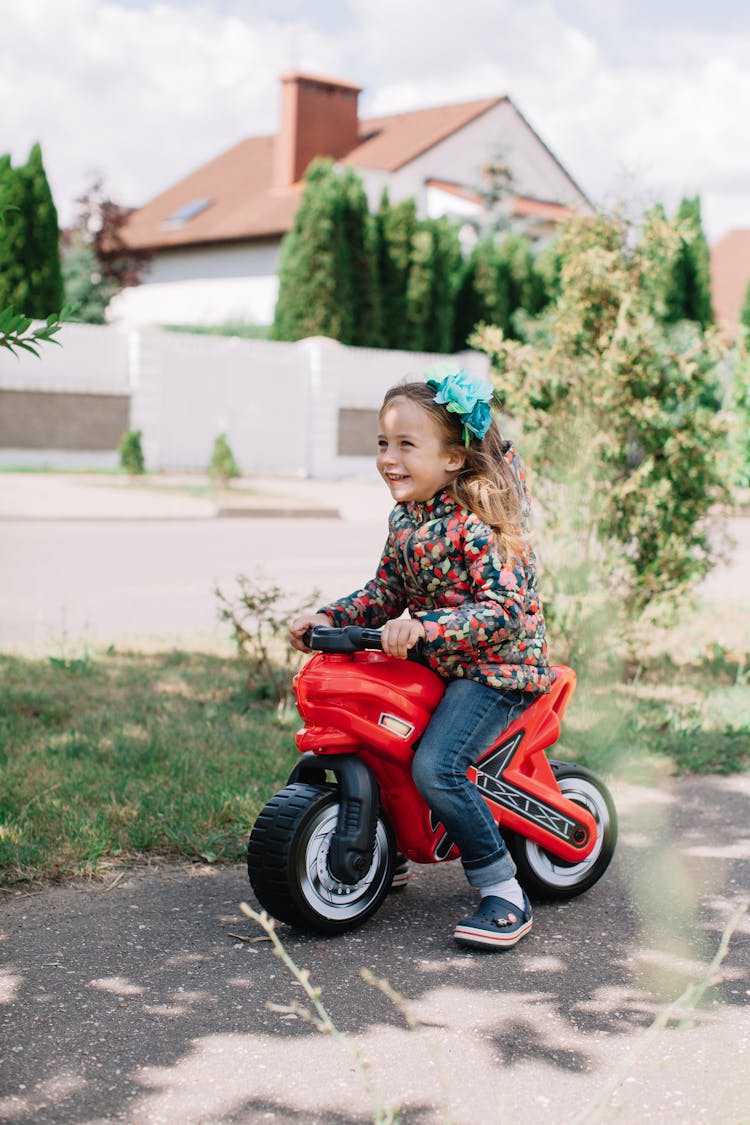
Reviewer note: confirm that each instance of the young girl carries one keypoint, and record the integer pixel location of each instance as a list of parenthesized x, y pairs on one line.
[(458, 560)]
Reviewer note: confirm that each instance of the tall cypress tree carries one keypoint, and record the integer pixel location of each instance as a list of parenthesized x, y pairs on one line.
[(689, 290), (420, 290), (484, 292), (446, 264), (362, 266), (15, 291), (42, 248), (314, 278), (395, 226), (524, 283)]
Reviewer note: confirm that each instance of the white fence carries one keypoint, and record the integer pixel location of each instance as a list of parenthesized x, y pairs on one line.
[(279, 404)]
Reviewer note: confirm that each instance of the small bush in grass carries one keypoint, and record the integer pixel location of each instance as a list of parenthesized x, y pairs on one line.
[(260, 617), (131, 453), (222, 467)]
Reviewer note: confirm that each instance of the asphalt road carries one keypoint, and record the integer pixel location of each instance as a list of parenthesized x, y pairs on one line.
[(69, 578), (115, 581), (136, 1000), (87, 560)]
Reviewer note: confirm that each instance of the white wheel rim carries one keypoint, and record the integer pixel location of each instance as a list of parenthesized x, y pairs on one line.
[(556, 872), (329, 898)]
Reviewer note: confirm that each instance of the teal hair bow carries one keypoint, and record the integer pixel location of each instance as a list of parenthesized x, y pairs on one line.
[(466, 395)]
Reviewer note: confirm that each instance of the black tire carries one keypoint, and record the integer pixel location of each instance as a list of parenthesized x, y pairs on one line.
[(288, 869), (543, 875)]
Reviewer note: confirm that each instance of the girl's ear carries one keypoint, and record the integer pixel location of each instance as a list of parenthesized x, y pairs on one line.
[(456, 459)]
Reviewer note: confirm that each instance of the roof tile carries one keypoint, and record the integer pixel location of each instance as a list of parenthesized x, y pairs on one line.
[(244, 204)]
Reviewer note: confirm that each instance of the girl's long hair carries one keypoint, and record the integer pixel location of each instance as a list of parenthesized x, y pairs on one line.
[(486, 485)]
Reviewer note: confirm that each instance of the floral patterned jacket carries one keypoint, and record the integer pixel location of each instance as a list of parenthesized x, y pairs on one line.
[(482, 616)]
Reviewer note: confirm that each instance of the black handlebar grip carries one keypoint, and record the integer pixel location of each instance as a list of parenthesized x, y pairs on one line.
[(353, 638), (347, 639), (365, 638)]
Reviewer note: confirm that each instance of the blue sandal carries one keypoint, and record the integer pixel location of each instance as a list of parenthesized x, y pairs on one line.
[(497, 924), (401, 873)]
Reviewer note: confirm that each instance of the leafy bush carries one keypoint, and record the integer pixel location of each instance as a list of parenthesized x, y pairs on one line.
[(740, 390), (222, 467), (131, 453), (625, 425), (260, 617)]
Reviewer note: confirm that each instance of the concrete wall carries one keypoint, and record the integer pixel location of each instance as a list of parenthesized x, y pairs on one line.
[(306, 408), (64, 410)]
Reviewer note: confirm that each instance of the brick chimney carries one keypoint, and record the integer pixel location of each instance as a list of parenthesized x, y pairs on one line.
[(318, 118)]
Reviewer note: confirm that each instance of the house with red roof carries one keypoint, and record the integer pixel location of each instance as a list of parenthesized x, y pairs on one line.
[(213, 239), (730, 277)]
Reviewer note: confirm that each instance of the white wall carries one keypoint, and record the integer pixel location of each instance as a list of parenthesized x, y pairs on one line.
[(197, 301), (204, 285), (278, 403), (92, 358)]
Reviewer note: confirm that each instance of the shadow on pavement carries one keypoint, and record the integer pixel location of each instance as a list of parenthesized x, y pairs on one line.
[(130, 1000)]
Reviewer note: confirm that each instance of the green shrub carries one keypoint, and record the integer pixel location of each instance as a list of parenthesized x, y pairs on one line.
[(260, 616), (222, 467), (624, 425), (131, 453)]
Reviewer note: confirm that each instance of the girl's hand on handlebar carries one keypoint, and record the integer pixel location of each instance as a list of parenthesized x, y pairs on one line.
[(302, 625), (398, 636)]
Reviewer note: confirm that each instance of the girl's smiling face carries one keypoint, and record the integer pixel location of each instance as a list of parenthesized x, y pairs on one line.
[(413, 459)]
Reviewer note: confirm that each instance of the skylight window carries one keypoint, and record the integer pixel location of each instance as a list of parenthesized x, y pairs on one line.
[(190, 210)]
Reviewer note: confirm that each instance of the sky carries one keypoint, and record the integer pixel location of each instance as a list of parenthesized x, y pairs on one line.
[(642, 102)]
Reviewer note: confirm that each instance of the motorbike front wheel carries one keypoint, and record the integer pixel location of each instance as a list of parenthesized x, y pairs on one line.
[(287, 861), (545, 876)]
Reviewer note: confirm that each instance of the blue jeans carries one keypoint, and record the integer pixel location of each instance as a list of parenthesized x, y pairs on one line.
[(466, 722)]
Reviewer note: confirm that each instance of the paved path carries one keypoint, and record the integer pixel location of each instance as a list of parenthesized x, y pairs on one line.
[(130, 1000)]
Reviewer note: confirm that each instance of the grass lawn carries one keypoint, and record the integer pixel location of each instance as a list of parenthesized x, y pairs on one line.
[(108, 758), (111, 757)]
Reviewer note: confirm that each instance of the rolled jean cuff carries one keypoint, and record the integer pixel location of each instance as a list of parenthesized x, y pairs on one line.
[(496, 871)]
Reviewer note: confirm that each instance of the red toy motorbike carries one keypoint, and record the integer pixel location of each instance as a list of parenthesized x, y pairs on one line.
[(322, 852)]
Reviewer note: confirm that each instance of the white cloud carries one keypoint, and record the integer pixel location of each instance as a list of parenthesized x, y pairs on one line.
[(143, 97), (144, 92)]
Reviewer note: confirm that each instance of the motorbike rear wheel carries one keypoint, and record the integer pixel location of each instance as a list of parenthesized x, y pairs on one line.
[(545, 876), (287, 861)]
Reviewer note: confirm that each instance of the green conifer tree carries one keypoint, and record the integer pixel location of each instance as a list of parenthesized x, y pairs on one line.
[(420, 290), (362, 266), (314, 280), (15, 291), (41, 257), (688, 294), (131, 453), (396, 226), (222, 468), (483, 295), (446, 265), (524, 284)]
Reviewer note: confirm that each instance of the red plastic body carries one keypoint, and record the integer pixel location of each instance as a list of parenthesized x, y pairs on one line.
[(376, 707)]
